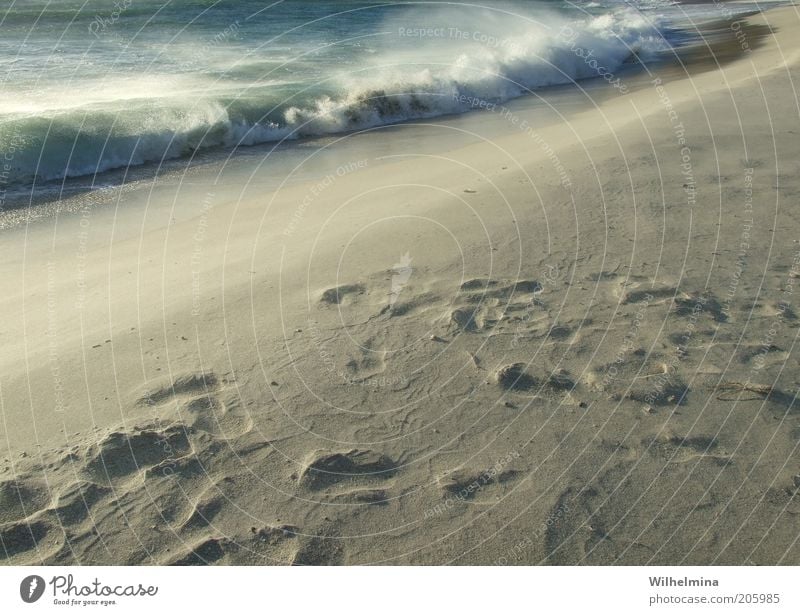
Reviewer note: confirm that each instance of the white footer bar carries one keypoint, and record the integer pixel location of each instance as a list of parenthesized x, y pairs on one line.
[(399, 590)]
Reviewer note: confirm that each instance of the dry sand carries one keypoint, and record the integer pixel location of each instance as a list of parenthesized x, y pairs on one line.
[(568, 346)]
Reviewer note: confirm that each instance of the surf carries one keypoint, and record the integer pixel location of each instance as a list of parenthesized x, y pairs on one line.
[(242, 90)]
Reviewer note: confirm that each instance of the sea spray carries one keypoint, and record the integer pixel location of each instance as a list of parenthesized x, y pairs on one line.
[(231, 80)]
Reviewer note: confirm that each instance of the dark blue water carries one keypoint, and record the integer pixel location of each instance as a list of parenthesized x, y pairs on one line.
[(91, 85)]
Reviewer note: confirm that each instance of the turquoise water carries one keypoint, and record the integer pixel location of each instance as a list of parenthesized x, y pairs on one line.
[(92, 85)]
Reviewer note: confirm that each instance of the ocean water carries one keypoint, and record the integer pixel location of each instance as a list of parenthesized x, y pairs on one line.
[(93, 85)]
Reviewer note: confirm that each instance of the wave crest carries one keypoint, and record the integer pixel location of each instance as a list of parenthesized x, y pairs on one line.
[(411, 80)]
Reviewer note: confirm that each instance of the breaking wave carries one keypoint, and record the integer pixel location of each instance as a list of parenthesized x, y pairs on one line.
[(423, 73)]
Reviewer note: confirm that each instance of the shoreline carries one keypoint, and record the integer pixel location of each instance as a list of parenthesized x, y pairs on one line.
[(45, 197)]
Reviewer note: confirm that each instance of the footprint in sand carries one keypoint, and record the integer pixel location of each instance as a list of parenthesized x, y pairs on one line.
[(321, 469), (652, 509), (785, 498), (481, 304), (121, 454), (74, 504), (516, 377), (684, 304), (665, 390), (369, 362), (320, 550), (773, 309), (410, 304), (341, 294), (280, 542), (655, 294), (203, 553), (219, 415), (162, 390), (27, 532), (22, 537), (203, 511), (760, 355), (680, 449), (476, 485), (202, 402), (21, 498), (271, 544), (559, 332), (372, 497), (696, 304), (602, 276)]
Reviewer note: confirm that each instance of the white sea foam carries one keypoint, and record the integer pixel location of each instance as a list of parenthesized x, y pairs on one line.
[(494, 57)]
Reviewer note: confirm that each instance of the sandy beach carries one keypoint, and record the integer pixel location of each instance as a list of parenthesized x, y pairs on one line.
[(532, 334)]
